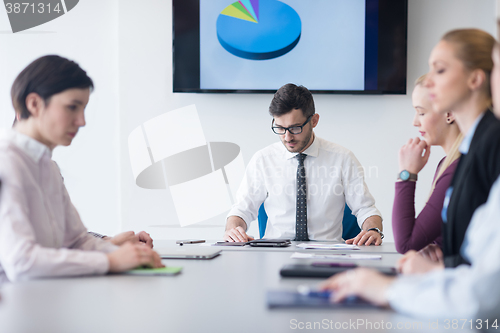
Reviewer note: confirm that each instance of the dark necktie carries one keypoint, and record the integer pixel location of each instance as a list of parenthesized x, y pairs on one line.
[(301, 220)]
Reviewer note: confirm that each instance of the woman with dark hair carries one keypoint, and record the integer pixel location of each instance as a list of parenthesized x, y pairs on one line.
[(41, 234)]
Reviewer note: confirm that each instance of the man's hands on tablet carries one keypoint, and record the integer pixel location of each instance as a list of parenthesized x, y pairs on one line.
[(235, 230), (368, 236), (237, 234)]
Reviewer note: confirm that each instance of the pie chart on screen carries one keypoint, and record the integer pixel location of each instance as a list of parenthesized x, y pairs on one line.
[(258, 29)]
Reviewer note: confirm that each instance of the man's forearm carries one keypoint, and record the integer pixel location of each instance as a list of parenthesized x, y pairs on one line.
[(374, 221), (234, 222)]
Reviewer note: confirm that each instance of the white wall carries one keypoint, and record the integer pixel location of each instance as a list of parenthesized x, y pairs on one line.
[(127, 47), (373, 127), (88, 35)]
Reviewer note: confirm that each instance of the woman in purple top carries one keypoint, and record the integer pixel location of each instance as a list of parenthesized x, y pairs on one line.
[(412, 233)]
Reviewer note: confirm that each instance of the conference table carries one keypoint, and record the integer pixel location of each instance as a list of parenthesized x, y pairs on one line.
[(224, 294)]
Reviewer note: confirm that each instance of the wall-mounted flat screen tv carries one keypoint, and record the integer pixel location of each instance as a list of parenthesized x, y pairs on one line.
[(256, 46)]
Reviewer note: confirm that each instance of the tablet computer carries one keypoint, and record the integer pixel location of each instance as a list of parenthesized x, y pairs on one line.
[(270, 243), (290, 299), (258, 243), (185, 252)]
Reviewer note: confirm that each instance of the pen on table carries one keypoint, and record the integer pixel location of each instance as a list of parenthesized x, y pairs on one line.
[(190, 241)]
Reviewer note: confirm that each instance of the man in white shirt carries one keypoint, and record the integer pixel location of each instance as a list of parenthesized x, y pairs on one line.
[(304, 181)]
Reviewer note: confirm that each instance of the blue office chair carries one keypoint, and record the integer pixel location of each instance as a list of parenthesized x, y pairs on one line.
[(350, 227)]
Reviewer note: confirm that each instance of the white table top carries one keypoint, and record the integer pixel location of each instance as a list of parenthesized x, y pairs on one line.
[(372, 249), (225, 294)]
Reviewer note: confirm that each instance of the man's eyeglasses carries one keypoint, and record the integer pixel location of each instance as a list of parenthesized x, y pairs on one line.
[(292, 130)]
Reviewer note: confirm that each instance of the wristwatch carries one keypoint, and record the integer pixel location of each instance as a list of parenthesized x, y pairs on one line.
[(377, 230), (406, 175)]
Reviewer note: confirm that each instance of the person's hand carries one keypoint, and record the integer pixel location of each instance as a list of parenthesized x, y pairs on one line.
[(414, 263), (432, 252), (130, 256), (237, 234), (366, 238), (402, 261), (363, 282), (144, 237), (412, 157), (121, 238), (132, 237)]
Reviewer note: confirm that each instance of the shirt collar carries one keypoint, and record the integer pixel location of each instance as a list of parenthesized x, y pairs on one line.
[(312, 150), (33, 148), (464, 147)]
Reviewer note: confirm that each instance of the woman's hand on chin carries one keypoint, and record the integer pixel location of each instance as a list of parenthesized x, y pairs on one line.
[(413, 156)]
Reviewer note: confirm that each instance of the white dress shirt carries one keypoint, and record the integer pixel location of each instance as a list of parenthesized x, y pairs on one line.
[(334, 177), (465, 145), (41, 234), (465, 292)]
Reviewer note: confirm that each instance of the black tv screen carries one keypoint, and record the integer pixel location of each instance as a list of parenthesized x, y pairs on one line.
[(256, 46)]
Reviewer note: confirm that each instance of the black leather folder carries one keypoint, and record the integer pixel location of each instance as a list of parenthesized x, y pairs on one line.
[(323, 271)]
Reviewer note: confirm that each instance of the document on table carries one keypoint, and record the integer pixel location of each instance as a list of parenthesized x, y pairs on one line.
[(300, 255), (327, 246)]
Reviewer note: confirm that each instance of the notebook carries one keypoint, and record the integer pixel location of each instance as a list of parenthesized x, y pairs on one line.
[(163, 271)]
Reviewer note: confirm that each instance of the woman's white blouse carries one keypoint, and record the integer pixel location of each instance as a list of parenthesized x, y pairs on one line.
[(41, 233)]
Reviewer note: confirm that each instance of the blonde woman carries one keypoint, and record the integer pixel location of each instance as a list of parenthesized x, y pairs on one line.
[(459, 80), (471, 292), (410, 232)]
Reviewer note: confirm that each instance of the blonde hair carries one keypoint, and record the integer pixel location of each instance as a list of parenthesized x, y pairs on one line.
[(453, 154), (420, 80), (474, 48)]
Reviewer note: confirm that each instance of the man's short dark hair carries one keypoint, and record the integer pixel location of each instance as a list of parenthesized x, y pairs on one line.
[(47, 76), (290, 97)]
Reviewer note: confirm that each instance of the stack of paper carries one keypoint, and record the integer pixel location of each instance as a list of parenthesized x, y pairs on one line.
[(327, 246), (300, 255)]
